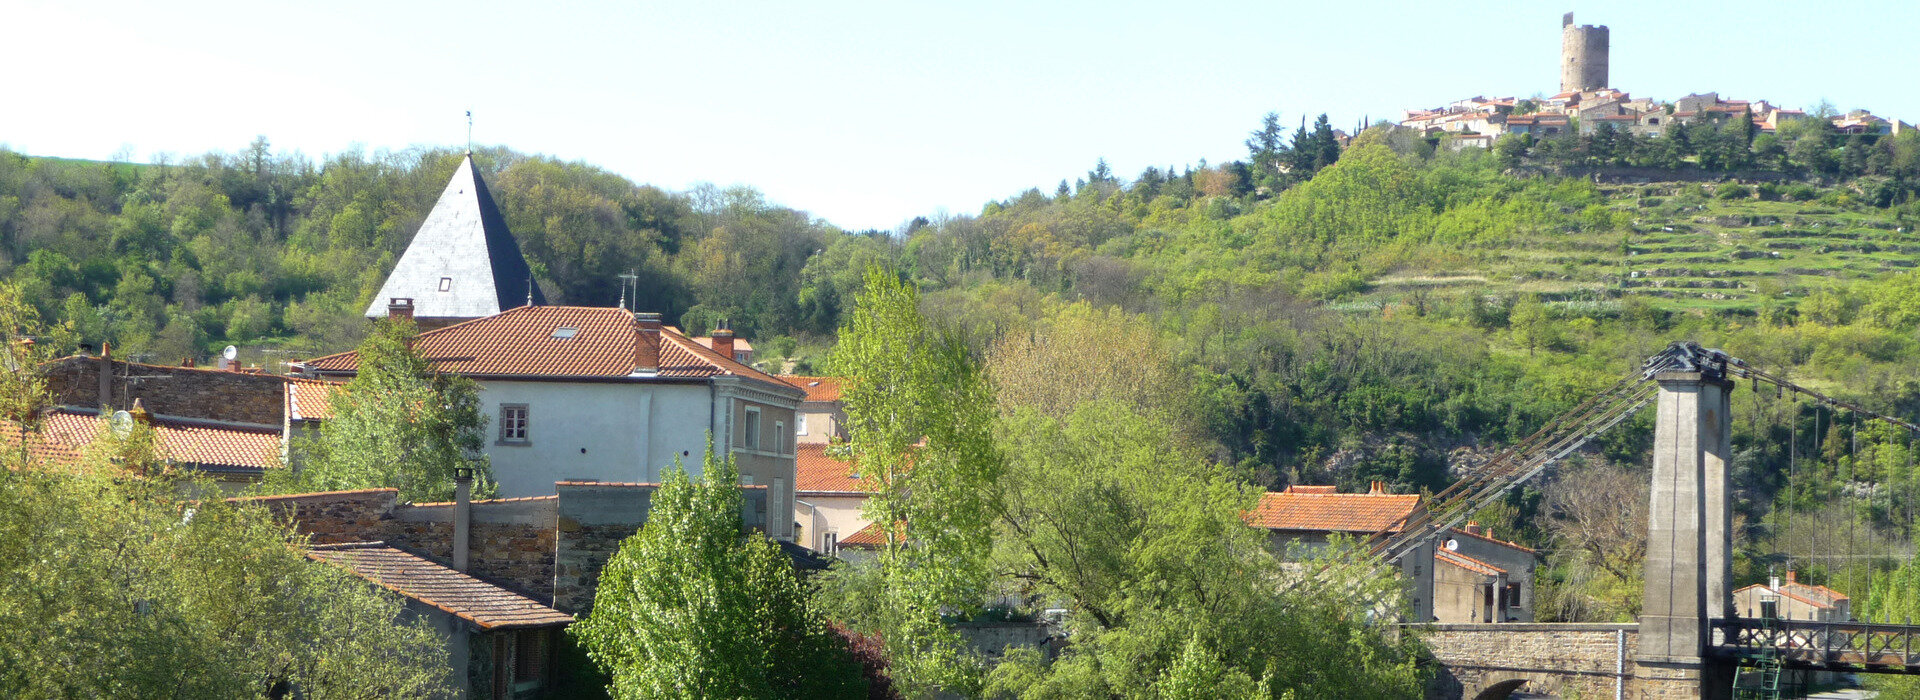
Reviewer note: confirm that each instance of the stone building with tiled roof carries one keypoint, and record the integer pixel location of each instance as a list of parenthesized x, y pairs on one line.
[(1311, 516), (1795, 601), (462, 263), (587, 393), (821, 417), (1480, 578)]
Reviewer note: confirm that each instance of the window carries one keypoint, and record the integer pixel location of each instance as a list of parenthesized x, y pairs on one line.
[(781, 437), (446, 284), (750, 429), (565, 332), (830, 543), (800, 424), (513, 423), (1513, 595)]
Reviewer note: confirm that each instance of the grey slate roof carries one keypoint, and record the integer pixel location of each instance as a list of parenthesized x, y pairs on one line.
[(464, 241)]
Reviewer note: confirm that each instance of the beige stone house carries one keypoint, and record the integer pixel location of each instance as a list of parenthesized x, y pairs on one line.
[(1310, 516), (1797, 601), (821, 418), (1480, 578), (827, 500)]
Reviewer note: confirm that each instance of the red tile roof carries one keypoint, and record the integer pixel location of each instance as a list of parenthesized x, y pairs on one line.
[(1466, 562), (1311, 509), (488, 606), (523, 342), (40, 449), (1457, 532), (815, 472), (817, 388), (869, 537), (203, 444), (1817, 596), (309, 399)]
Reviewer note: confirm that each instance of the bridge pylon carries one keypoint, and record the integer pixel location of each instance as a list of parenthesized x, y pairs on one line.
[(1689, 539)]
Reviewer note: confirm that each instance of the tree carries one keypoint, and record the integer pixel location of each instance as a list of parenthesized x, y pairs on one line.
[(919, 421), (1597, 516), (694, 605), (397, 424), (28, 344), (129, 590)]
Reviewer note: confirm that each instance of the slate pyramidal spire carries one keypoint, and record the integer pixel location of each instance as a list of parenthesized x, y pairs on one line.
[(463, 263)]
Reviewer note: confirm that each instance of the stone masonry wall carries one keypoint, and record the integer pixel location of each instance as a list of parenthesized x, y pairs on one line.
[(172, 391), (593, 519), (335, 517), (511, 543), (1554, 659)]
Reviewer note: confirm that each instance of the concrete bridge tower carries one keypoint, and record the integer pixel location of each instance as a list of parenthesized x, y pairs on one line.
[(1689, 538), (1583, 56)]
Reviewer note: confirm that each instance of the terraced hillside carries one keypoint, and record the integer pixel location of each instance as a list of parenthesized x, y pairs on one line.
[(1688, 249)]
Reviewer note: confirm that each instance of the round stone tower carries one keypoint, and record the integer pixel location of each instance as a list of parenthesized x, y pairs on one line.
[(1583, 56)]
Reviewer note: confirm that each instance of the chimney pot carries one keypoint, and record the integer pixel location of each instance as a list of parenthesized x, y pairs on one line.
[(1473, 528), (646, 342), (400, 307), (462, 515)]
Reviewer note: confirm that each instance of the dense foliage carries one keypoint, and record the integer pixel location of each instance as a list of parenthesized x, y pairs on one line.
[(398, 424), (691, 607)]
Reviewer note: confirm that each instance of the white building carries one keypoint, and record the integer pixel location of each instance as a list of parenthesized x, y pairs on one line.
[(599, 394)]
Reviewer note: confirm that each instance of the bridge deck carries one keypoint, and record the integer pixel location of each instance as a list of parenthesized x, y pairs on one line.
[(1839, 646)]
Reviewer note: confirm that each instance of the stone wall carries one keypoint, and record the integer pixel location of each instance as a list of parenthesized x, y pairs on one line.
[(335, 517), (511, 542), (592, 520), (188, 392), (1559, 659)]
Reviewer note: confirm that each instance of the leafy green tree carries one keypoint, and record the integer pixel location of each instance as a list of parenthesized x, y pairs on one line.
[(695, 606), (397, 424), (919, 422), (130, 590)]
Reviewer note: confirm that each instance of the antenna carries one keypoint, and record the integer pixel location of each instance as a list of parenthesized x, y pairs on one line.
[(469, 132), (629, 278)]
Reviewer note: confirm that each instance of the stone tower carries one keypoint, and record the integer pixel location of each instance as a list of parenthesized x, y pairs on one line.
[(1583, 56)]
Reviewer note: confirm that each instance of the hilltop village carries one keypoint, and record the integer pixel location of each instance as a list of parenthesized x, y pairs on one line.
[(1587, 104)]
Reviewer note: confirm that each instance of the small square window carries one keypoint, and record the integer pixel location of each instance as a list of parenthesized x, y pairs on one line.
[(513, 423), (446, 284)]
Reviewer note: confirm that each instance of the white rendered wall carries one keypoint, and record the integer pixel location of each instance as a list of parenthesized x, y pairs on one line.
[(628, 432), (837, 514)]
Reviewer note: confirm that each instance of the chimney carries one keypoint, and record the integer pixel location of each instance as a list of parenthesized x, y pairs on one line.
[(462, 515), (106, 374), (1377, 487), (400, 307), (1790, 578), (646, 342), (1473, 528), (723, 342)]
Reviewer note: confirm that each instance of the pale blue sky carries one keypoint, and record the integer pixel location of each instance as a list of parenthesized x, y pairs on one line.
[(868, 114)]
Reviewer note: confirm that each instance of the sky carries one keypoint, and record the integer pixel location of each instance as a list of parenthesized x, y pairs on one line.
[(867, 114)]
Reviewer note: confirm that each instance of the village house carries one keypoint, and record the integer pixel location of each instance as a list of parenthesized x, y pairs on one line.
[(828, 498), (589, 393), (1311, 516), (1480, 578), (1795, 600), (821, 418)]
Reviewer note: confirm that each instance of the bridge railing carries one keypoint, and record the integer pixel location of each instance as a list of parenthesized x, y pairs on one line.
[(1863, 646)]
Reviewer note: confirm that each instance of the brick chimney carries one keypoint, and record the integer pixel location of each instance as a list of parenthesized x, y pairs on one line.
[(723, 342), (1790, 578), (646, 342), (1473, 528), (106, 374), (400, 307), (462, 515)]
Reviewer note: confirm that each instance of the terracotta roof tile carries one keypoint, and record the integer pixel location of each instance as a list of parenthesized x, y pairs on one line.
[(1333, 512), (1515, 545), (817, 388), (1466, 562), (40, 448), (815, 472), (869, 537), (488, 606), (309, 399), (189, 442), (706, 341), (527, 341)]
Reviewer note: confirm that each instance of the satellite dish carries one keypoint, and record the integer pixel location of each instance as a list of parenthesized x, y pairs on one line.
[(121, 423), (230, 353), (1453, 545)]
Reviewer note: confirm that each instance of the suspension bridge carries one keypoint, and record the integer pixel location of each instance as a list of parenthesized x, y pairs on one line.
[(1690, 640)]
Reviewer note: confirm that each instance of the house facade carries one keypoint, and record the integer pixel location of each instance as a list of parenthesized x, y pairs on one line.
[(602, 394), (1480, 578), (1795, 601), (1310, 516), (828, 499)]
